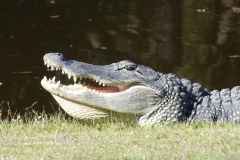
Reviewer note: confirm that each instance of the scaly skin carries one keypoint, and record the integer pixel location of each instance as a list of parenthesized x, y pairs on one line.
[(126, 87)]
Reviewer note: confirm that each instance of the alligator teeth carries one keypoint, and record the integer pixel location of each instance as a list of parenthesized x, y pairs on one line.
[(63, 72), (69, 76), (45, 63), (50, 81), (58, 84), (45, 78), (103, 85), (52, 68), (53, 79), (74, 79), (47, 66)]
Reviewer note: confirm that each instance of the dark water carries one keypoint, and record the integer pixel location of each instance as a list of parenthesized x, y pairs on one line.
[(167, 35)]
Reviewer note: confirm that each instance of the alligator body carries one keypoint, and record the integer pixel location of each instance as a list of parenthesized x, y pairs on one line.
[(129, 88)]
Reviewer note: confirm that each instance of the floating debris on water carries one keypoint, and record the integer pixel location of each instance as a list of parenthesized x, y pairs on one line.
[(234, 56), (201, 10)]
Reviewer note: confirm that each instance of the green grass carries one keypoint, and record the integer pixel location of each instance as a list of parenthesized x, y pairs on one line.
[(57, 137)]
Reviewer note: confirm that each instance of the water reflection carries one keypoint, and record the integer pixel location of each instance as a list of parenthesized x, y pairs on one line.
[(206, 49), (167, 35)]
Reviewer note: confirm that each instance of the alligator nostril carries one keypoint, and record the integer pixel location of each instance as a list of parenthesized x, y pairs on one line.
[(59, 54)]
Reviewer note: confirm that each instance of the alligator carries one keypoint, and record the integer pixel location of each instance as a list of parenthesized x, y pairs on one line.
[(133, 89)]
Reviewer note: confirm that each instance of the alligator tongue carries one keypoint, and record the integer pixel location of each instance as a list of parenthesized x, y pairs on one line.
[(108, 89)]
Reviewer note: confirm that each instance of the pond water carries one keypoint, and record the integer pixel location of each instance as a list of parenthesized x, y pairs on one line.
[(194, 39)]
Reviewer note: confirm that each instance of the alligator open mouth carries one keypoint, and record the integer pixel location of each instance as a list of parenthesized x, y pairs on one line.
[(82, 82)]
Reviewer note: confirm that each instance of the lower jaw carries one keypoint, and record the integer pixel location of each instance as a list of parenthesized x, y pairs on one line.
[(78, 110), (84, 112)]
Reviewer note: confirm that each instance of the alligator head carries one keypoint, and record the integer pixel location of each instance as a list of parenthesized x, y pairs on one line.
[(123, 87)]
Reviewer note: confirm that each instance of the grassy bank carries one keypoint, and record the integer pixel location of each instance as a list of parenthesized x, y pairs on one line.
[(56, 137)]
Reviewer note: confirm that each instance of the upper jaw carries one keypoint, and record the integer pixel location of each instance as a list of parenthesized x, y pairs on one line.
[(103, 75)]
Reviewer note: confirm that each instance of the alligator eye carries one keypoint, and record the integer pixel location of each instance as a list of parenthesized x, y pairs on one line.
[(129, 68), (126, 65)]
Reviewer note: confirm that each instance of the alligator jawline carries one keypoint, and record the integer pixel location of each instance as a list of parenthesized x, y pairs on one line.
[(94, 85)]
